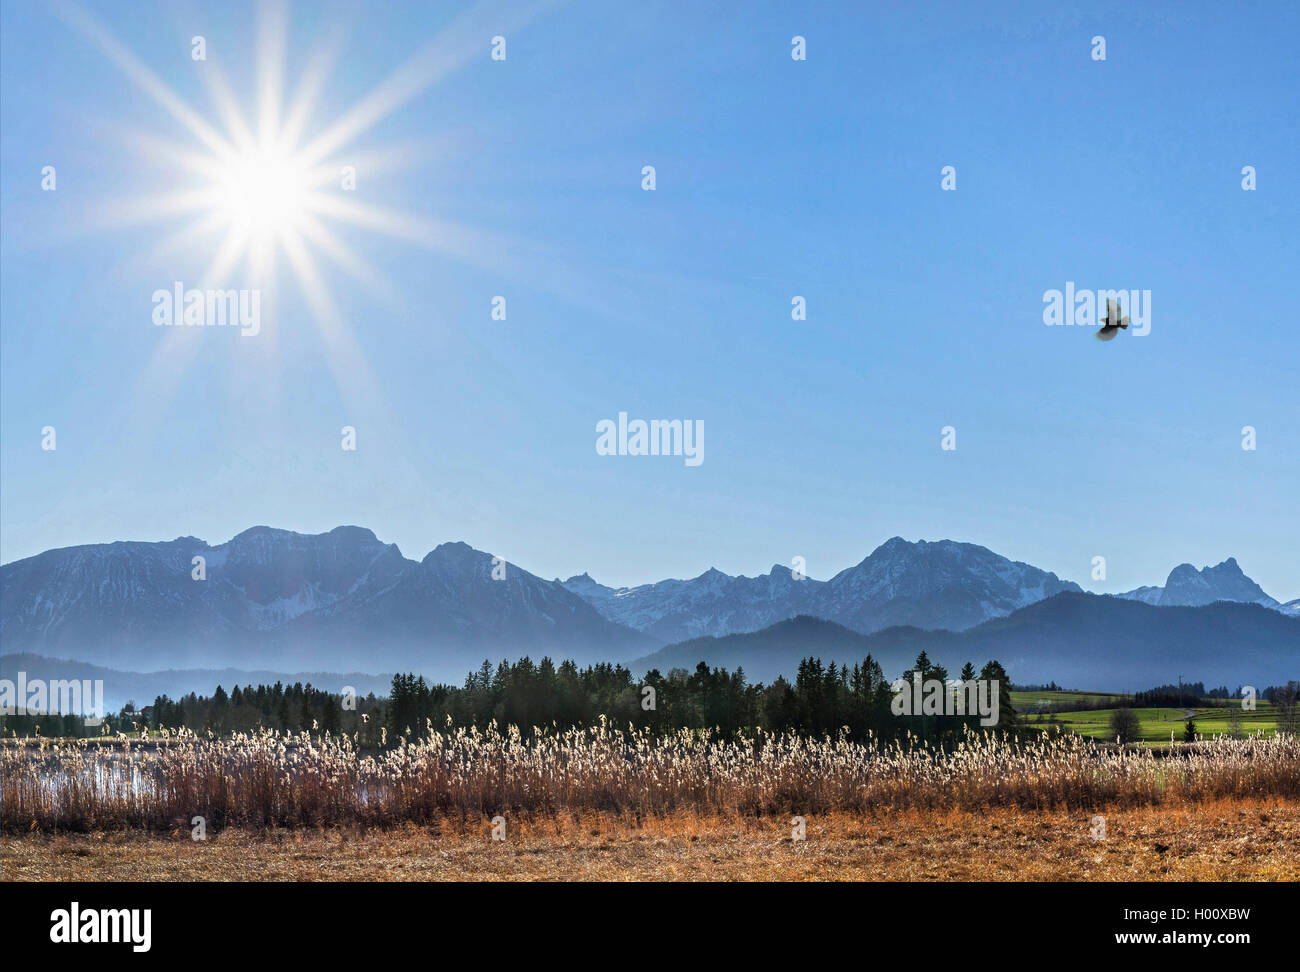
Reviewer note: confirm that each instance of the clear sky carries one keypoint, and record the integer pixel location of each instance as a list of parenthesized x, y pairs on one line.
[(774, 178)]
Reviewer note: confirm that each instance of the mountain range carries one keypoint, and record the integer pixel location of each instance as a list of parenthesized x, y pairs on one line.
[(1189, 587), (274, 600), (289, 601), (1078, 640), (940, 584)]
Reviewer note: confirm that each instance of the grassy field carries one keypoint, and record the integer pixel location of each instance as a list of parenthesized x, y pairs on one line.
[(1155, 725), (1028, 701), (1226, 840)]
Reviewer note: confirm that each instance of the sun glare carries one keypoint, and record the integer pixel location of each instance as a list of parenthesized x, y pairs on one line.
[(269, 186), (264, 192)]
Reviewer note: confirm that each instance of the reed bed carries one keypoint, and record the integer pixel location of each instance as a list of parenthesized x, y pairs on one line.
[(267, 779)]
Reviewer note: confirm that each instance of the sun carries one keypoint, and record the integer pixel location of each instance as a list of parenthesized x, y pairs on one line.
[(263, 184), (263, 193), (266, 180)]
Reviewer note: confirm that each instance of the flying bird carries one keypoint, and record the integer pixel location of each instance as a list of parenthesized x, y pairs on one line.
[(1113, 321)]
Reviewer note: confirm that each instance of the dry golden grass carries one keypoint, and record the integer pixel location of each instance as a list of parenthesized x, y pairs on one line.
[(1223, 840), (268, 780)]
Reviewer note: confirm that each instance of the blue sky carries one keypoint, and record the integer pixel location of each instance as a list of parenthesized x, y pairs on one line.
[(775, 178)]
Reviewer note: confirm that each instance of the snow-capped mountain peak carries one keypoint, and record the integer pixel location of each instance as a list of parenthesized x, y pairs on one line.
[(306, 600), (1188, 587), (929, 584)]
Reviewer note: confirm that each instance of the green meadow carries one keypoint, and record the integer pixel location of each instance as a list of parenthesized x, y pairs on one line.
[(1154, 725), (1028, 701)]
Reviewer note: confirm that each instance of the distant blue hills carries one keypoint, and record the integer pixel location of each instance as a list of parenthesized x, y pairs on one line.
[(277, 601)]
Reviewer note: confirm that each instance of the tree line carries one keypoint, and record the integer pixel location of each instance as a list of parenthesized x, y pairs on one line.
[(820, 699)]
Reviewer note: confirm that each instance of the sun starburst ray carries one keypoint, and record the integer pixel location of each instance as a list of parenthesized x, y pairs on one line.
[(448, 51), (349, 261), (250, 190), (319, 67), (187, 237), (95, 31), (157, 207), (272, 17), (346, 362)]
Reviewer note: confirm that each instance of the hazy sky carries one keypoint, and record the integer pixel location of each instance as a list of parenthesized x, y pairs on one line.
[(775, 178)]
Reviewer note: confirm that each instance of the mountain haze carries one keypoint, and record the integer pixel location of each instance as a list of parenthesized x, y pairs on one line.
[(275, 600), (1078, 640), (1188, 587), (289, 601), (941, 584)]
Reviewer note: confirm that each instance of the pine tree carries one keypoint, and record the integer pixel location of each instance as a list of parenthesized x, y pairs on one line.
[(993, 671)]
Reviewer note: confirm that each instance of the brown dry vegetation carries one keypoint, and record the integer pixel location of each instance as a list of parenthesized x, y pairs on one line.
[(601, 804), (1222, 840), (268, 780)]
